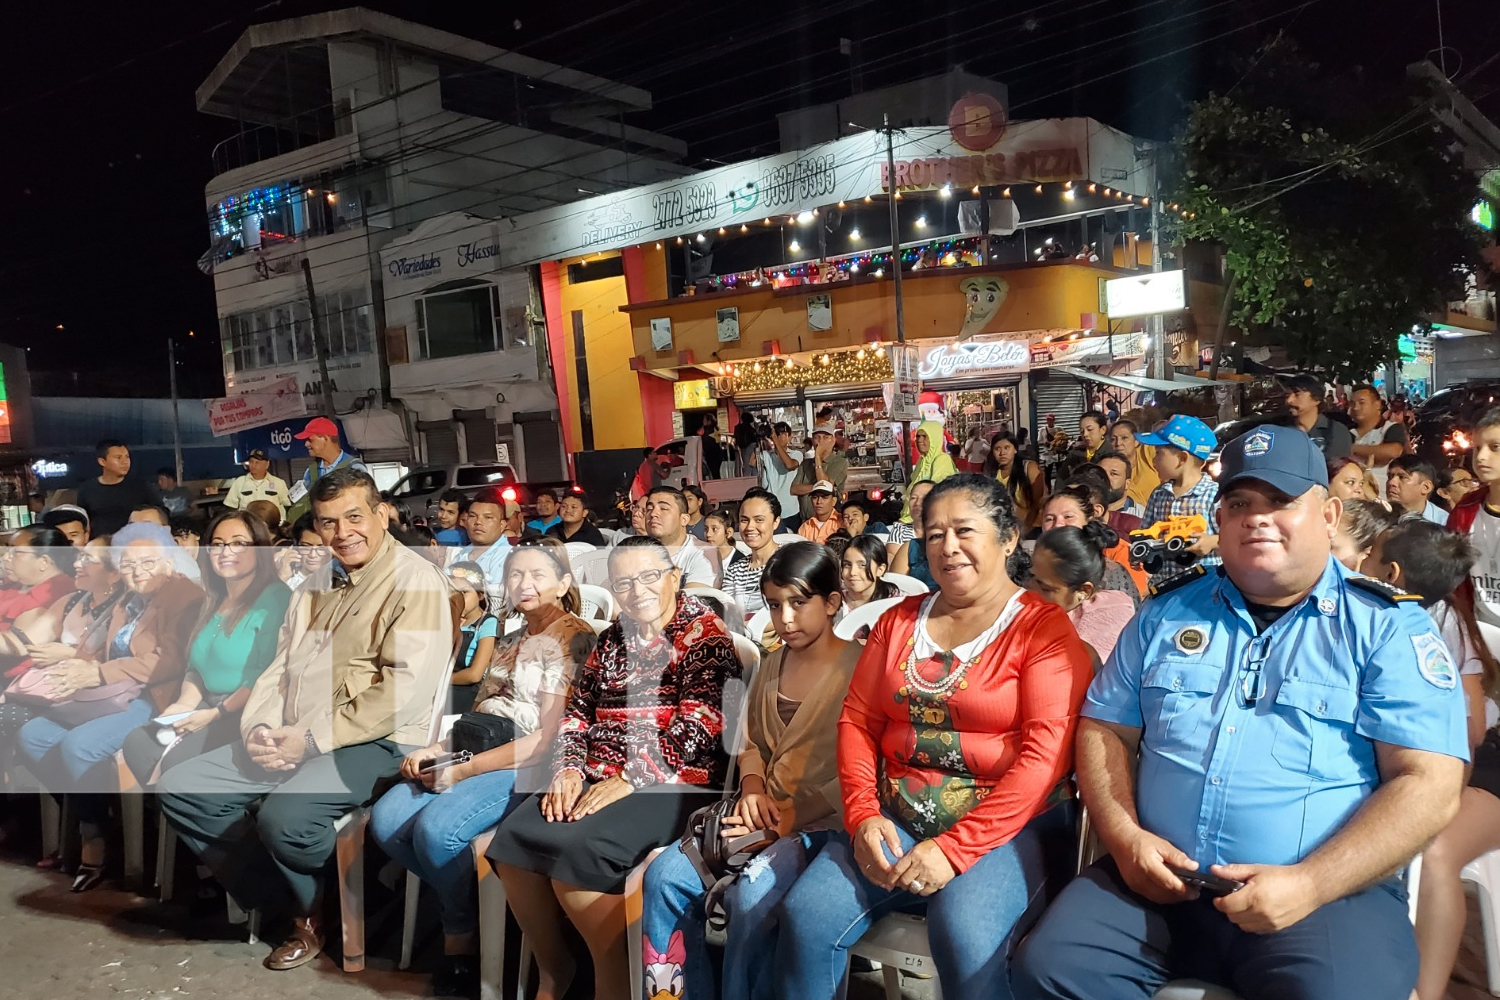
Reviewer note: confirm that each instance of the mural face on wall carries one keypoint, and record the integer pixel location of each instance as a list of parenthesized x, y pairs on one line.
[(984, 295)]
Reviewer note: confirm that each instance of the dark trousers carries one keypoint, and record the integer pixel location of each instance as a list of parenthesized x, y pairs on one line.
[(1100, 939), (142, 751), (263, 855)]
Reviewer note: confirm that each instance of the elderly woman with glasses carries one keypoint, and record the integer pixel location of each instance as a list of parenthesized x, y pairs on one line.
[(234, 643), (521, 691), (639, 748), (38, 564), (137, 672)]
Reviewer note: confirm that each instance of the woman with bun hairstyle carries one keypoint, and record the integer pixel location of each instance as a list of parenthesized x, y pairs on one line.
[(1067, 569)]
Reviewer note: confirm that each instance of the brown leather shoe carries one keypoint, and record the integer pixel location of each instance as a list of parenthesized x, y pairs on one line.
[(304, 945)]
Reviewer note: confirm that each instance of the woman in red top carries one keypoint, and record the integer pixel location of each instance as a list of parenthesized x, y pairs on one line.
[(954, 750)]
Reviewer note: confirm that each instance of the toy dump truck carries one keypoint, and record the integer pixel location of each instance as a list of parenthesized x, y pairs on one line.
[(1165, 541)]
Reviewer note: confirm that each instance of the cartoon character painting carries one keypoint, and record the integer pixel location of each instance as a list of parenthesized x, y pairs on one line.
[(984, 294), (663, 970)]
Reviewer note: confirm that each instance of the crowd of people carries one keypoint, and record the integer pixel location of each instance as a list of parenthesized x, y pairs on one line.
[(1265, 727)]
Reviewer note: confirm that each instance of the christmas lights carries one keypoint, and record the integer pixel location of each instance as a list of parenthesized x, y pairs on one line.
[(829, 369)]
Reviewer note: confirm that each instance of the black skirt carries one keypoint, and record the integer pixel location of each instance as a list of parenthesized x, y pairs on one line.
[(1486, 772), (597, 852)]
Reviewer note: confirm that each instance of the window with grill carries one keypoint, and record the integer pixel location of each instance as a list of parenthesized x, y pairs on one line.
[(460, 321)]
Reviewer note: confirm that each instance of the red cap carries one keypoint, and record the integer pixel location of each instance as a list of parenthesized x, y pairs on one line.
[(318, 426)]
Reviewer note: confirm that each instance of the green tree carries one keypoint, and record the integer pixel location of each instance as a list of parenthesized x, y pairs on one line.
[(1341, 209)]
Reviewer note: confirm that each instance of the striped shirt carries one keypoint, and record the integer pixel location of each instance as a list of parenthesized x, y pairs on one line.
[(742, 582)]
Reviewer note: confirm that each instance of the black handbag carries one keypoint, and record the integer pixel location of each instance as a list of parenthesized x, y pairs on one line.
[(477, 732), (717, 861)]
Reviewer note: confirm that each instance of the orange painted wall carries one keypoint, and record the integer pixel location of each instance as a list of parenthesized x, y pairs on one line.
[(1040, 297), (614, 387)]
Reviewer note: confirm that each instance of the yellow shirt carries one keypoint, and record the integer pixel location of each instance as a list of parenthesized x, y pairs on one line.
[(1143, 477)]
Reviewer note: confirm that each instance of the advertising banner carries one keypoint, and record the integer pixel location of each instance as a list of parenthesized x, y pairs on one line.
[(263, 405)]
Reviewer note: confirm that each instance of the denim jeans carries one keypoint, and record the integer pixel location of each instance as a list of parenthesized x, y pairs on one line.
[(80, 759), (673, 902), (429, 834), (973, 922)]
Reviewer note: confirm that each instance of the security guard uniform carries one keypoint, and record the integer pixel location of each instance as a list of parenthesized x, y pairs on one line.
[(1258, 743)]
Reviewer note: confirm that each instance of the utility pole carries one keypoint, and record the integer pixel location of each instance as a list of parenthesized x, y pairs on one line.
[(1161, 367), (320, 347), (890, 172), (176, 421)]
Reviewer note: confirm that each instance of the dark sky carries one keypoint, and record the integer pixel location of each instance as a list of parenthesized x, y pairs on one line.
[(106, 157)]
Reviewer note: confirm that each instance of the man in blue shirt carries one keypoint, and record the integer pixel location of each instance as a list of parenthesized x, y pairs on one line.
[(1300, 731), (321, 436), (546, 512), (451, 507), (488, 546)]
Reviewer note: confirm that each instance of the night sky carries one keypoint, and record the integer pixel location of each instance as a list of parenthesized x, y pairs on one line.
[(106, 157)]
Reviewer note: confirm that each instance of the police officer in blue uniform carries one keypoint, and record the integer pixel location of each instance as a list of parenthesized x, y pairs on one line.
[(1301, 736)]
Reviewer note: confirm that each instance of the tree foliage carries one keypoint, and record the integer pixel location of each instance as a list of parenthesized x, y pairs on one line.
[(1341, 209)]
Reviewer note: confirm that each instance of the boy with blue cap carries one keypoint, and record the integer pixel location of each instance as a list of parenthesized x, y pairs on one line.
[(1183, 445)]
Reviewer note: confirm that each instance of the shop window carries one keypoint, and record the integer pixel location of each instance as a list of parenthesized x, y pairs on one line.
[(458, 322)]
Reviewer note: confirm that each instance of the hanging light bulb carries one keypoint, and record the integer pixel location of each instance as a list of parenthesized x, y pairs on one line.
[(721, 230), (766, 221), (921, 221), (658, 246), (679, 241), (975, 189), (1067, 185), (803, 217), (1005, 193), (868, 199), (854, 233), (701, 238), (794, 246), (1038, 189), (860, 354), (1093, 188), (880, 350), (841, 204), (947, 191), (1107, 192), (880, 272), (744, 229)]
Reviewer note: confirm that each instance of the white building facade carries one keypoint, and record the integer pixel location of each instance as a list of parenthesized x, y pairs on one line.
[(371, 150)]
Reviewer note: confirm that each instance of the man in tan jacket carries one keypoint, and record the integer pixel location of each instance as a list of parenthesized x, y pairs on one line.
[(352, 689)]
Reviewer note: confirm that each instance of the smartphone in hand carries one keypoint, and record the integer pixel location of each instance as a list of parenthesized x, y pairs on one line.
[(1206, 882), (445, 760)]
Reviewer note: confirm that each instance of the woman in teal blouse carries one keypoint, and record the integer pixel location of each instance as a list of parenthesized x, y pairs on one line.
[(231, 648)]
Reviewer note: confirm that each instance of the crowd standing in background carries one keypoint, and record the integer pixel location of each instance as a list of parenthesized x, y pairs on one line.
[(1303, 677)]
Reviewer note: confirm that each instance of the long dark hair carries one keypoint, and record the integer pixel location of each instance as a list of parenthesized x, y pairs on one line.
[(874, 553), (218, 589), (1020, 483)]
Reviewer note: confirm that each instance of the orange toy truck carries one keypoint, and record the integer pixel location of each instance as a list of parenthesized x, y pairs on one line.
[(1166, 540)]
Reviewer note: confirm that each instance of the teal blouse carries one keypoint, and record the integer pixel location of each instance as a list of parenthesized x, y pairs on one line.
[(227, 661)]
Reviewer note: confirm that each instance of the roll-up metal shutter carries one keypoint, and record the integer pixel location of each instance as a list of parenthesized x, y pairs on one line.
[(1060, 395), (479, 434), (440, 441)]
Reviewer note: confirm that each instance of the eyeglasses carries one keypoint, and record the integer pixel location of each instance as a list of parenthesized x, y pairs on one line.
[(234, 548), (88, 561), (625, 585), (147, 566), (1253, 681)]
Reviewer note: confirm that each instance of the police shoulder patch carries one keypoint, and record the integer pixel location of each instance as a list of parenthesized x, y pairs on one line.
[(1167, 586), (1434, 661), (1387, 592)]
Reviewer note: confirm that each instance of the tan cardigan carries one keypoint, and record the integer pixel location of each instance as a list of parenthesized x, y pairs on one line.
[(159, 645), (799, 761)]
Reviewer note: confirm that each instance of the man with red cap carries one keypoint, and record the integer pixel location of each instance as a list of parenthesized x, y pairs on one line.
[(322, 438)]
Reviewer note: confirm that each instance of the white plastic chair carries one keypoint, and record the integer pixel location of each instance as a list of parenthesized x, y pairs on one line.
[(788, 538), (721, 596), (598, 602), (1483, 873), (757, 627), (591, 568), (884, 536), (866, 615), (578, 549), (513, 624), (611, 535), (492, 927), (908, 585)]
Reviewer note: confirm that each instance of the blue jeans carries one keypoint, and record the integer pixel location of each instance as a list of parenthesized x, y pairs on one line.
[(673, 902), (973, 922), (81, 759), (429, 834)]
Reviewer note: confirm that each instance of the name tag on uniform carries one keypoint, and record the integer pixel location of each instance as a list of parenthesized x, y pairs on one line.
[(298, 491)]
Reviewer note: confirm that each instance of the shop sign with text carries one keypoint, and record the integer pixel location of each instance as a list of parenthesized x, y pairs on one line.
[(950, 360)]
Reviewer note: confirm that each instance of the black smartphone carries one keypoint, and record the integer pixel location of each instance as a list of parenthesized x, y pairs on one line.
[(1206, 881)]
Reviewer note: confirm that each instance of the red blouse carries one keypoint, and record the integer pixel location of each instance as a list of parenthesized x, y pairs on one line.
[(968, 770)]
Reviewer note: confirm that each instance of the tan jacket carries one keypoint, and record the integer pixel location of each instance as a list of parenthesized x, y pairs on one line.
[(159, 644), (363, 660), (799, 762)]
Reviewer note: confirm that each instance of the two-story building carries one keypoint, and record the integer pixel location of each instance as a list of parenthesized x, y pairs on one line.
[(357, 130)]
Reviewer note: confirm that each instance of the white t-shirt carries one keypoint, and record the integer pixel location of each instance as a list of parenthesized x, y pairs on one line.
[(1450, 626), (1486, 574), (692, 558), (1381, 435), (778, 480)]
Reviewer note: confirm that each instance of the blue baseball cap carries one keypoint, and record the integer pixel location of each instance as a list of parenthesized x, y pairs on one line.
[(1283, 458), (1188, 433)]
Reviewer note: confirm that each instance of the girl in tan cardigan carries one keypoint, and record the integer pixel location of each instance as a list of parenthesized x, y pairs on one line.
[(788, 785)]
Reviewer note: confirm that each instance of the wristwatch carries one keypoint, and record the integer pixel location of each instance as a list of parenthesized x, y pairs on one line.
[(310, 743)]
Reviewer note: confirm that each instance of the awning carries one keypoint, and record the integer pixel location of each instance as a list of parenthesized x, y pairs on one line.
[(1185, 381), (1134, 383)]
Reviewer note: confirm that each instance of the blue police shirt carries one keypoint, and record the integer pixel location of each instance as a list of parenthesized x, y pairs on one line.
[(1229, 781)]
